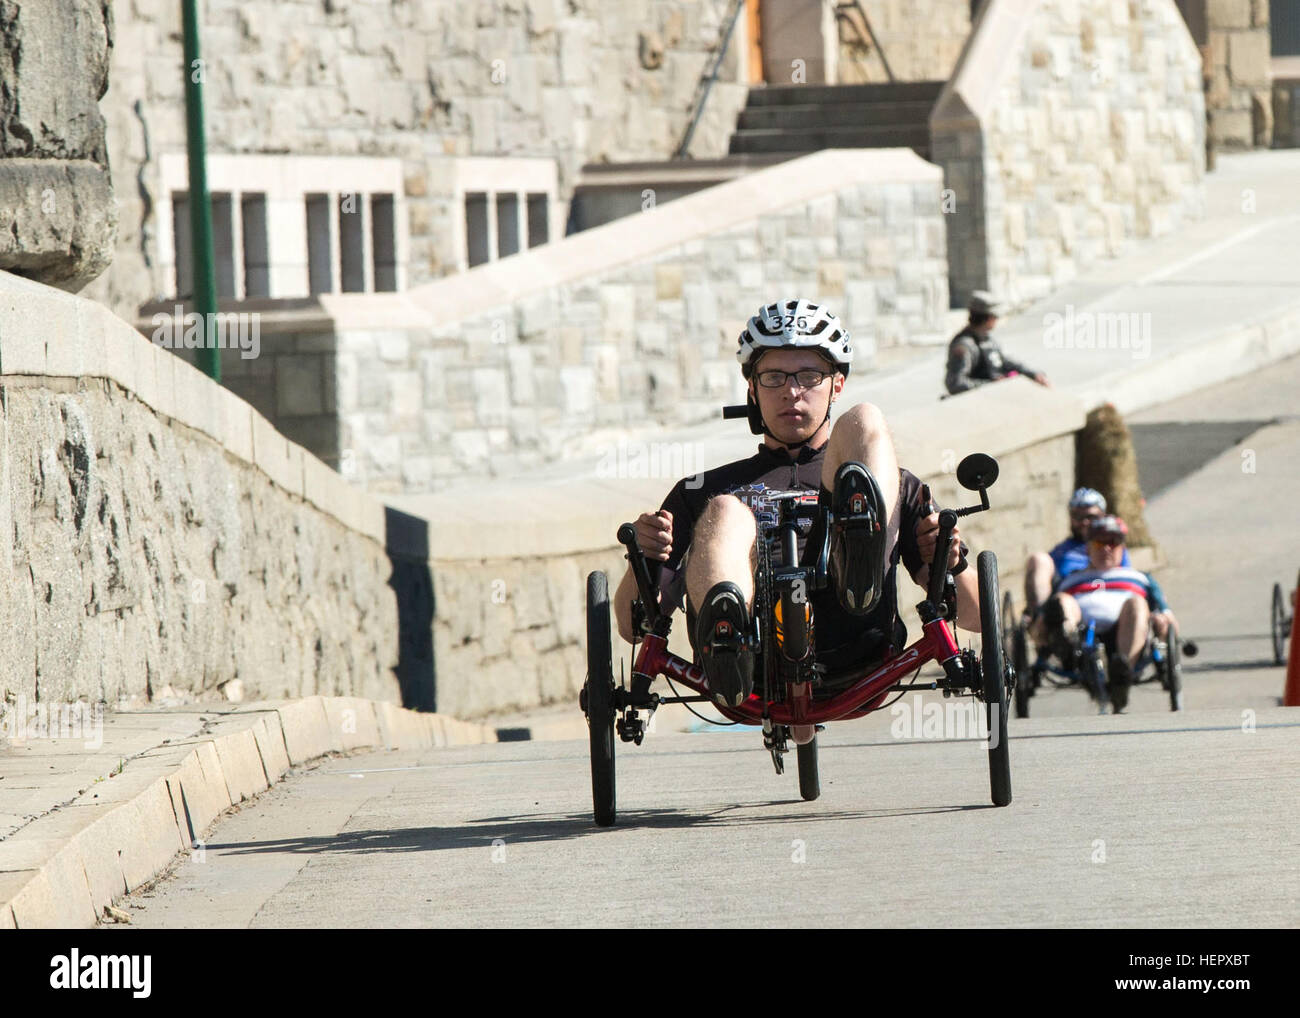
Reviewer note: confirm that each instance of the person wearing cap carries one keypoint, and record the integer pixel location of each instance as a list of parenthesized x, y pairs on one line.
[(1124, 604), (974, 357)]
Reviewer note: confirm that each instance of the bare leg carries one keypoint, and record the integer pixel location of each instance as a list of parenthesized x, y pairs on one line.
[(861, 434), (1163, 622), (722, 548), (1131, 635), (1069, 609), (1039, 570)]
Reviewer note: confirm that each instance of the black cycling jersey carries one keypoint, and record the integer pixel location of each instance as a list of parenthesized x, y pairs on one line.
[(975, 358), (843, 641)]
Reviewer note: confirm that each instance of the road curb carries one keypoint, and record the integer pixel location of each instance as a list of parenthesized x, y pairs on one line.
[(61, 870)]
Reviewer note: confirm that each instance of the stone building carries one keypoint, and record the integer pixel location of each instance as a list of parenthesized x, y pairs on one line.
[(365, 153)]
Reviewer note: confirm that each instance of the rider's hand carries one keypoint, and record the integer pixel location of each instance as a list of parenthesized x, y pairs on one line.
[(927, 533), (654, 533)]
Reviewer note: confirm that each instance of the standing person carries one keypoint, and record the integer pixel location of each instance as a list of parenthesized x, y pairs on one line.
[(974, 357)]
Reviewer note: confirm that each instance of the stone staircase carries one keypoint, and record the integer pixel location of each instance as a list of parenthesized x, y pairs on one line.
[(805, 118)]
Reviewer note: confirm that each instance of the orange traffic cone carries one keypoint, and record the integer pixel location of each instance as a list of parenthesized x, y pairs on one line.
[(1291, 698)]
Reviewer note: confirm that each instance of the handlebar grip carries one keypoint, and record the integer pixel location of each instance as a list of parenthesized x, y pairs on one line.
[(733, 412), (939, 566), (641, 573)]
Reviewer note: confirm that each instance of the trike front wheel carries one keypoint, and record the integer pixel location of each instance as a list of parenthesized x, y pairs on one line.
[(600, 698), (809, 781), (995, 687)]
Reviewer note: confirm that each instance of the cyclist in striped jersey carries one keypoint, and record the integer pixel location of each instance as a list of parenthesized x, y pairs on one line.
[(1124, 604)]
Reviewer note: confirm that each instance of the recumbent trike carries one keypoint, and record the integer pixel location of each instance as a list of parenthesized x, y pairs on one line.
[(786, 702)]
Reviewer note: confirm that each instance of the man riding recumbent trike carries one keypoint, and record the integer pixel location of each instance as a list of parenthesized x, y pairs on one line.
[(786, 566)]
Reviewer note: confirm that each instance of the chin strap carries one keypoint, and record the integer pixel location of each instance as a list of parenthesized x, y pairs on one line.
[(759, 426)]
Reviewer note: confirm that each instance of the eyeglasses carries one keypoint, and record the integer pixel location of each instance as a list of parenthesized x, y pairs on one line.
[(1109, 542), (806, 378), (1075, 515)]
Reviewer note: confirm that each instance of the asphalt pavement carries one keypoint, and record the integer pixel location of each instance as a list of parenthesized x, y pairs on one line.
[(1161, 820), (1151, 818)]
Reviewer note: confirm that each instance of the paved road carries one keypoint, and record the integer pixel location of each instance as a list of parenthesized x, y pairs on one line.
[(1151, 818), (1167, 821)]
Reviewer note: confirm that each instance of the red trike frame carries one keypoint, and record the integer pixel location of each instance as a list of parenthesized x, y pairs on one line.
[(859, 699)]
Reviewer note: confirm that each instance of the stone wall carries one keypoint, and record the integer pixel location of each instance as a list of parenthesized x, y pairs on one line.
[(1240, 89), (1068, 131), (576, 81), (920, 39), (57, 217), (634, 323), (166, 541)]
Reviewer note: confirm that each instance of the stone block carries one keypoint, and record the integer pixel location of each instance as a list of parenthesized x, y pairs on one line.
[(55, 896), (236, 424), (577, 385), (198, 790), (405, 393), (307, 731), (618, 311), (1248, 59), (1221, 14), (164, 390), (353, 719), (241, 762)]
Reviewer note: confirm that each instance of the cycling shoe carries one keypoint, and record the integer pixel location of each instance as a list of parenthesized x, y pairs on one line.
[(722, 639), (1121, 680), (857, 538)]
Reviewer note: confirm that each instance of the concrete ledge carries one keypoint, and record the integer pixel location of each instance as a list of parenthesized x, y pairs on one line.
[(1258, 343), (45, 332), (306, 730), (198, 790), (62, 869)]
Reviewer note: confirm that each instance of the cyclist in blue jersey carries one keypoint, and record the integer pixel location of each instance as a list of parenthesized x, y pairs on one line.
[(1043, 570), (1125, 605)]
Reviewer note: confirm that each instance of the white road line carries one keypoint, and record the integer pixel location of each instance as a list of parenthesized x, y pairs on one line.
[(1214, 249)]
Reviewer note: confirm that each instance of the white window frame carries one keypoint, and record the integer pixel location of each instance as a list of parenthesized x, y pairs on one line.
[(491, 176), (286, 181)]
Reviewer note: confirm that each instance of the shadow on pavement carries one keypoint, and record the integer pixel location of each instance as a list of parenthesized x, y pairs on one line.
[(542, 827), (1229, 666)]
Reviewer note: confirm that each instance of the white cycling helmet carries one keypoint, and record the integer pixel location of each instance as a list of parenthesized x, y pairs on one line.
[(1086, 498), (794, 324)]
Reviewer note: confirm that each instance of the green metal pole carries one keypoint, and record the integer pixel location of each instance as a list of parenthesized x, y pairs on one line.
[(205, 281)]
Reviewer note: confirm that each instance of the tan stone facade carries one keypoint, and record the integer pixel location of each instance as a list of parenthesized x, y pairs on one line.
[(1234, 39), (920, 40), (575, 82), (1067, 132)]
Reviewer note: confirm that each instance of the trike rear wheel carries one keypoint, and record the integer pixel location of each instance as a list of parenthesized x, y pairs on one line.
[(600, 698), (995, 686), (1017, 649), (809, 781), (1279, 625), (1174, 671)]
